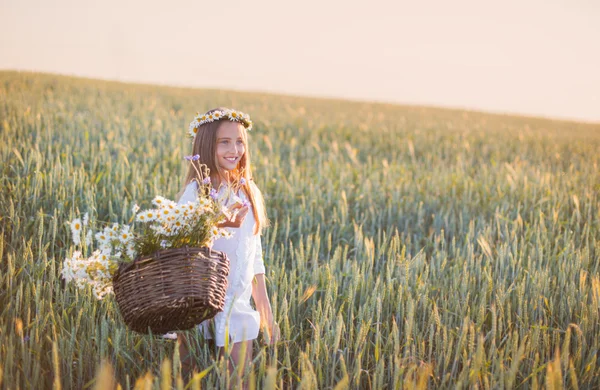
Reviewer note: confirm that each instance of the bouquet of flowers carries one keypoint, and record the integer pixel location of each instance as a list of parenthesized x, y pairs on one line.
[(167, 225)]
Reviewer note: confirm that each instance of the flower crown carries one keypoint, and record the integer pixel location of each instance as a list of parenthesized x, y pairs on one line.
[(232, 115)]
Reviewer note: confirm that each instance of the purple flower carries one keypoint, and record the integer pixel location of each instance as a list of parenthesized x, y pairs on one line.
[(26, 338), (213, 193), (189, 158), (242, 181), (206, 180), (245, 203), (196, 157)]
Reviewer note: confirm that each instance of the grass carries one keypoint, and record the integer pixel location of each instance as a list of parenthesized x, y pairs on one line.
[(410, 247)]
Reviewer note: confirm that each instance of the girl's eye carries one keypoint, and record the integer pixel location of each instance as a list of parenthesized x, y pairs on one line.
[(225, 142), (240, 142)]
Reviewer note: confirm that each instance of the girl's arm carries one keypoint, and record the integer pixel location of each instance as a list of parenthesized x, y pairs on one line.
[(263, 306)]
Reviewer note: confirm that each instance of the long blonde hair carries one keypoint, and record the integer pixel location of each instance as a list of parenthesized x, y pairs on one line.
[(205, 146)]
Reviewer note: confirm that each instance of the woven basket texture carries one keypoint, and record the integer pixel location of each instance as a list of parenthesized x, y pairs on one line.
[(173, 289)]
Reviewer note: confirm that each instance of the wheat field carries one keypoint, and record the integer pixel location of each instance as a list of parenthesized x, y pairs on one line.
[(409, 247)]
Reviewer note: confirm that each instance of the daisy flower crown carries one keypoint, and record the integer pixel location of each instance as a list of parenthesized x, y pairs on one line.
[(209, 117)]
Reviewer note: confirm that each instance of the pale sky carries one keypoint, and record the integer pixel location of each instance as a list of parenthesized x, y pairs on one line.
[(535, 57)]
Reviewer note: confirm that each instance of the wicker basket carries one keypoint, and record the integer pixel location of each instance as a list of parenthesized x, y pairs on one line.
[(174, 289)]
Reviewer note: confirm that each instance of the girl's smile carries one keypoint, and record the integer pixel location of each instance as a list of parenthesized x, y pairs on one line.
[(230, 145)]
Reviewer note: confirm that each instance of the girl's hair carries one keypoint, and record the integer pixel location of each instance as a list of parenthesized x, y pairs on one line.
[(204, 145)]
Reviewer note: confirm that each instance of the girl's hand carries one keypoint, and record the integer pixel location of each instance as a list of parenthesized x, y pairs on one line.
[(238, 214), (272, 333)]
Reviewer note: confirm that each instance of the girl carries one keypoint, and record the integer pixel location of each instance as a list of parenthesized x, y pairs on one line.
[(220, 141)]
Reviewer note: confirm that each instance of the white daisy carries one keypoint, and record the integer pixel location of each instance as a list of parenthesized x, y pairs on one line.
[(159, 201), (76, 230), (160, 230), (101, 237), (233, 115), (164, 214), (125, 236), (131, 251), (105, 247), (193, 128), (111, 234), (151, 215)]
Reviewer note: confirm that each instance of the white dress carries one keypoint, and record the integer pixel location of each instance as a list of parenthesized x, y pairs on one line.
[(244, 250)]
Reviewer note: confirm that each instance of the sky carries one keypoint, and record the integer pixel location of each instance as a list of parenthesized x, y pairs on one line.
[(530, 57)]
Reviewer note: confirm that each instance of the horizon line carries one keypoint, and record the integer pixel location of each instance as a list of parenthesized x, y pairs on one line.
[(317, 96)]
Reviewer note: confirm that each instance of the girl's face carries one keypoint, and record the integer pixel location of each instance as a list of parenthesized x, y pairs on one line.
[(230, 144)]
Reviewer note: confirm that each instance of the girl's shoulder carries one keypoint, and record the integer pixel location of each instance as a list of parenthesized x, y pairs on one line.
[(190, 194)]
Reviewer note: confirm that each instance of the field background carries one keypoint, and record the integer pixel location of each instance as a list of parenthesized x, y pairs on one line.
[(409, 246)]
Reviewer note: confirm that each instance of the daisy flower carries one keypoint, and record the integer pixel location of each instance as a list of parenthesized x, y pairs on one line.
[(233, 116), (225, 233), (131, 251), (164, 214), (150, 215), (125, 236), (193, 128), (135, 208), (76, 230), (110, 233), (101, 237), (159, 201), (159, 230)]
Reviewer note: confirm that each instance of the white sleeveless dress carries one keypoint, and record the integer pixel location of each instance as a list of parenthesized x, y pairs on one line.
[(244, 250)]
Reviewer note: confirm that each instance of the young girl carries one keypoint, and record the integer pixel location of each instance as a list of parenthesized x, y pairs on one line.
[(220, 141)]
